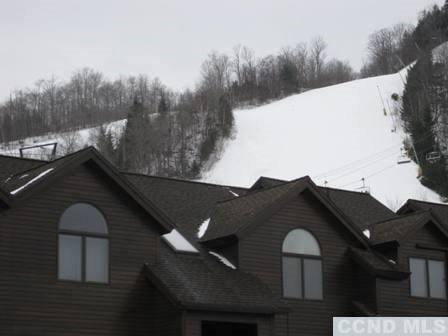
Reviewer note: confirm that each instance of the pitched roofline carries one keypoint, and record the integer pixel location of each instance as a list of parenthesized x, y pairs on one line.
[(160, 285), (413, 204), (415, 213), (91, 154), (348, 223), (182, 180), (260, 191), (310, 185), (393, 273), (245, 230), (429, 217), (433, 219)]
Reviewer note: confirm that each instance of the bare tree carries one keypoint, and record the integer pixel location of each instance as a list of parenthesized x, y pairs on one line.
[(317, 53)]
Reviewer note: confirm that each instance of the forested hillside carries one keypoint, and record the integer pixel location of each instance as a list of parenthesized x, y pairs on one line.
[(167, 132), (425, 100)]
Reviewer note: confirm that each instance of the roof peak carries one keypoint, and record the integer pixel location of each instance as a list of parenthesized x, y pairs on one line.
[(400, 217), (258, 191)]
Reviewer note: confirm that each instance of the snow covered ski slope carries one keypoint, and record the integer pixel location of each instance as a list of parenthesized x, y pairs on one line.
[(340, 134)]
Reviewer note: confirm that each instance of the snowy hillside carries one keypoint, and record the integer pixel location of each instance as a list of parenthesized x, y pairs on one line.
[(339, 134), (66, 142)]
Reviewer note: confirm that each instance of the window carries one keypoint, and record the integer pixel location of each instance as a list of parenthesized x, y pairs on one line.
[(83, 245), (302, 266), (428, 278)]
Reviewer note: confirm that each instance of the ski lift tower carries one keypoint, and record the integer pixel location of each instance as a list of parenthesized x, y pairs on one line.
[(50, 145)]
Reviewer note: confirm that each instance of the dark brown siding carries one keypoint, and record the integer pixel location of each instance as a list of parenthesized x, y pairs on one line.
[(34, 302), (260, 253), (193, 321), (394, 296), (365, 289)]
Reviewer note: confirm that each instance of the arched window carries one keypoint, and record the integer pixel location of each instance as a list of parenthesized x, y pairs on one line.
[(302, 266), (83, 245)]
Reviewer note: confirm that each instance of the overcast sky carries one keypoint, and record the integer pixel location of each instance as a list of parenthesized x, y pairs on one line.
[(170, 38)]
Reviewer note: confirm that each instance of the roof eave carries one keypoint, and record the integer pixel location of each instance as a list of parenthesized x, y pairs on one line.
[(393, 274), (338, 213), (197, 306)]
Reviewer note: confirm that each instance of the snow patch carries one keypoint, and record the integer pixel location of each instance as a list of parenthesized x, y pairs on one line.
[(179, 242), (224, 260), (234, 193), (366, 233), (31, 181), (203, 228)]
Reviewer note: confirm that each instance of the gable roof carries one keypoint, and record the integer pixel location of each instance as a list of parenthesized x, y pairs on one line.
[(401, 228), (26, 183), (187, 203), (440, 211), (376, 264), (362, 208), (236, 217), (202, 282), (264, 182), (232, 217)]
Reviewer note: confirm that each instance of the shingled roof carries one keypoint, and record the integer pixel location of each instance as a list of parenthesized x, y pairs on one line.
[(440, 211), (376, 264), (362, 208), (10, 165), (402, 227), (202, 282), (187, 203), (231, 217), (235, 217)]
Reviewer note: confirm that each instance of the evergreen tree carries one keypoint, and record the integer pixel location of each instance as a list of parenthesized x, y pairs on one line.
[(225, 115), (105, 144), (134, 143), (163, 105)]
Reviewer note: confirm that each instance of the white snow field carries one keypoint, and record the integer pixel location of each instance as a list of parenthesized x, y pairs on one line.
[(339, 134)]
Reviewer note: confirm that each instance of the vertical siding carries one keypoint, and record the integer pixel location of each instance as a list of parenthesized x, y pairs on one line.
[(394, 296), (34, 302), (260, 253)]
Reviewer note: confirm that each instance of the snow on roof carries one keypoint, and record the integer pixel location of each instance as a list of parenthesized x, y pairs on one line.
[(203, 228), (234, 193), (178, 242), (15, 191), (366, 233), (224, 260)]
